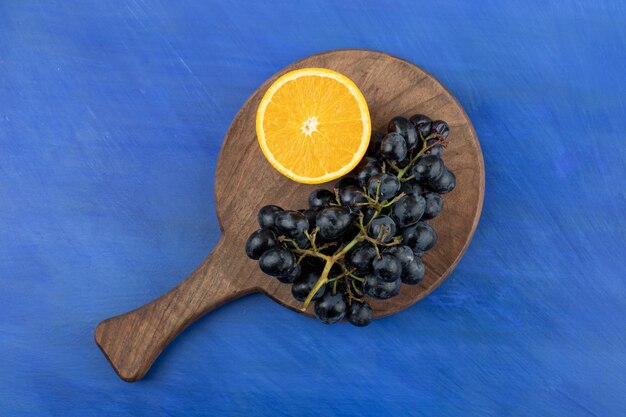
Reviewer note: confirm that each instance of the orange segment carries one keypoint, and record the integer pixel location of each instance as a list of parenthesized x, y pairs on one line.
[(313, 125)]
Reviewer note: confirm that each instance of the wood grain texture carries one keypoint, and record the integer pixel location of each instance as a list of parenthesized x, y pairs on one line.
[(392, 86)]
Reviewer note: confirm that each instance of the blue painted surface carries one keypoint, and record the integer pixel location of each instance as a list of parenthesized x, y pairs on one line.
[(111, 119)]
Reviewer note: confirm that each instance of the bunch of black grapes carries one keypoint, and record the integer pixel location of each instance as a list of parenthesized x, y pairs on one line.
[(367, 236)]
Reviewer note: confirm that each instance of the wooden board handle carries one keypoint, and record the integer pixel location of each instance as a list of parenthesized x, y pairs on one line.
[(132, 341)]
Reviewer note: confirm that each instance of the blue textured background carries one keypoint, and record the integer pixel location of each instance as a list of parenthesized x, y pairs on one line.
[(111, 119)]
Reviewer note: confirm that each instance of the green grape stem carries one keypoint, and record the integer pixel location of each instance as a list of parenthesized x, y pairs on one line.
[(330, 260), (323, 279)]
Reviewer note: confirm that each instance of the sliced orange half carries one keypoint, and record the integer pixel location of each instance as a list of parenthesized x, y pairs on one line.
[(313, 125)]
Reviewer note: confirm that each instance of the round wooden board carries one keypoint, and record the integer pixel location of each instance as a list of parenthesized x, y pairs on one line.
[(244, 182), (392, 86)]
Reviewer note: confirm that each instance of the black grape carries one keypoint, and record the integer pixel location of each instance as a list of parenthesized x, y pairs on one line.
[(408, 210), (445, 183), (405, 128), (333, 222), (393, 147), (331, 308), (266, 216), (321, 198), (387, 186), (360, 313), (277, 262), (379, 289), (291, 223), (382, 228), (434, 205), (260, 241), (427, 168)]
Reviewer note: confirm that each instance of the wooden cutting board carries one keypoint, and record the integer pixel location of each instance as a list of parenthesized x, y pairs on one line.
[(244, 182)]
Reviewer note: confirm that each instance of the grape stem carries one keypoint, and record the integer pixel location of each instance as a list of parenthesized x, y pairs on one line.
[(320, 282), (377, 204), (350, 296), (351, 275), (330, 261)]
